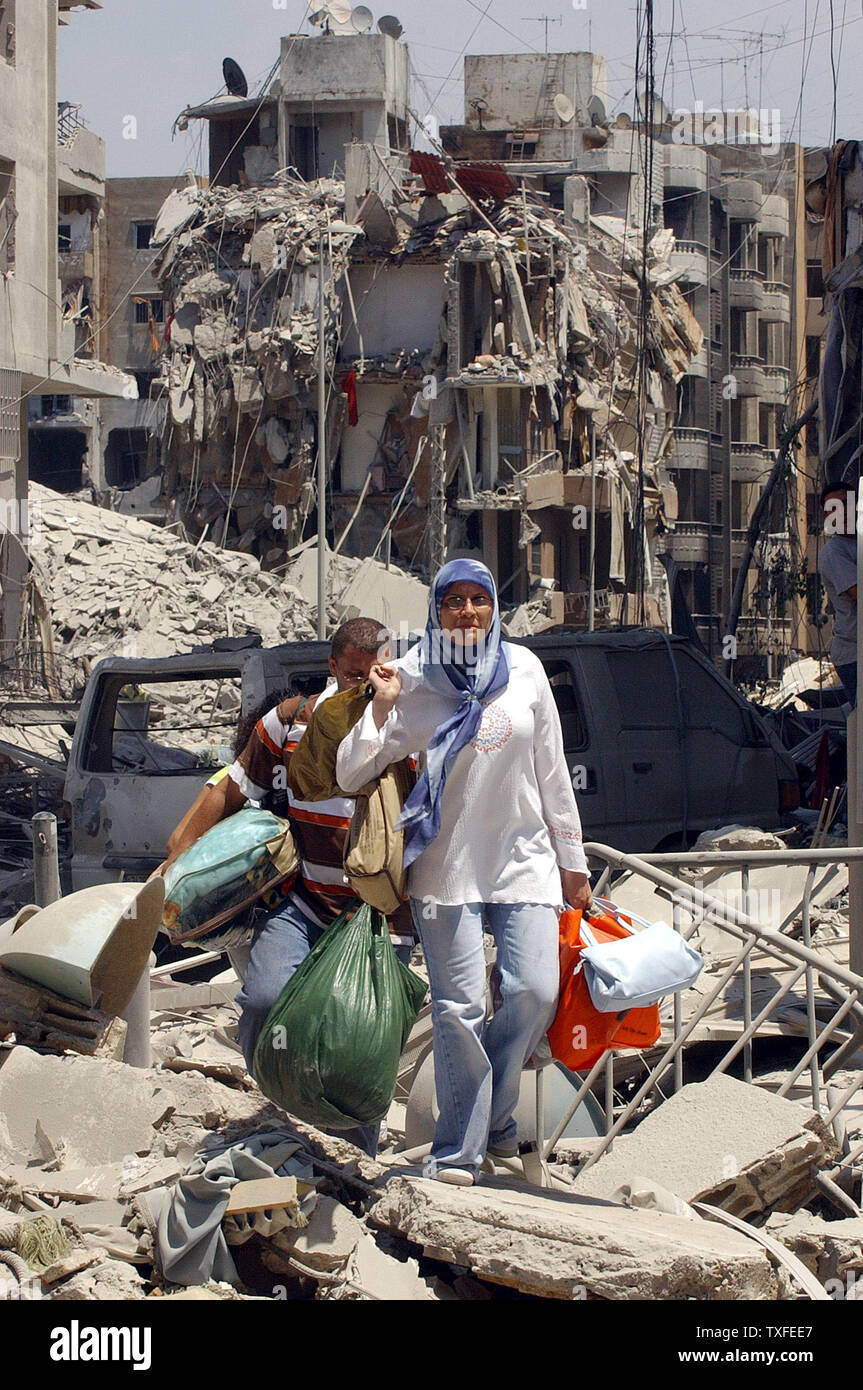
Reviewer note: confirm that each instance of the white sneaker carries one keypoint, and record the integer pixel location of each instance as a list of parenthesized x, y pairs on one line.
[(458, 1177)]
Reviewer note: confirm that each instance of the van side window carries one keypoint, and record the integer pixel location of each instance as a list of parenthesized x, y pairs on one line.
[(568, 704), (644, 685), (167, 727), (707, 704)]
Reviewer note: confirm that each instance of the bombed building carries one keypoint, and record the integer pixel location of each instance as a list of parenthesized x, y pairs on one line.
[(500, 372)]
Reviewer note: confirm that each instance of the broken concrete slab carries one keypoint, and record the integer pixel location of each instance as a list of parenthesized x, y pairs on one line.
[(832, 1250), (723, 1142), (556, 1246), (99, 1183), (398, 601), (324, 1246), (105, 1281), (100, 1110), (381, 1276)]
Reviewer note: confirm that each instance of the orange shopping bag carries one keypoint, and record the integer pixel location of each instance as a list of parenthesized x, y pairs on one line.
[(580, 1034)]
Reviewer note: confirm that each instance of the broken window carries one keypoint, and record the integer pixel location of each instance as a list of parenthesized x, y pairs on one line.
[(7, 216), (144, 308), (563, 689), (814, 279), (64, 236), (143, 232), (167, 727), (126, 457)]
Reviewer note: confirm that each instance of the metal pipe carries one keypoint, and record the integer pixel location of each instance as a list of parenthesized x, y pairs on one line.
[(322, 451), (810, 993), (747, 982), (591, 598), (46, 864), (136, 1051), (678, 1010), (811, 1053)]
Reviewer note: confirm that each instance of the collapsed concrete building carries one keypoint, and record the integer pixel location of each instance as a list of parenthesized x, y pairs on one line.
[(481, 350)]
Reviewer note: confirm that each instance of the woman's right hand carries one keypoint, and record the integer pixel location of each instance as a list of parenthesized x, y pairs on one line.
[(386, 683)]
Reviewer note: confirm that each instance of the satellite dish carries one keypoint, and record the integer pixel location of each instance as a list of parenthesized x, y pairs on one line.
[(235, 80), (389, 25), (362, 19), (339, 10), (563, 107), (596, 111)]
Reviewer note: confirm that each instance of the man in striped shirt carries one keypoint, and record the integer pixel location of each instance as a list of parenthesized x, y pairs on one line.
[(320, 892)]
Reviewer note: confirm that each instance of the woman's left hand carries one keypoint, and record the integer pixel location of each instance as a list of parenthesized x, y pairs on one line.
[(576, 889)]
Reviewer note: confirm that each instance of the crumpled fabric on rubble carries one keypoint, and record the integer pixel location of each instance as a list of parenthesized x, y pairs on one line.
[(187, 1221)]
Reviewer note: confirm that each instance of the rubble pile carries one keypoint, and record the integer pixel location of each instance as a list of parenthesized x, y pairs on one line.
[(554, 312), (117, 586), (240, 268), (179, 1180)]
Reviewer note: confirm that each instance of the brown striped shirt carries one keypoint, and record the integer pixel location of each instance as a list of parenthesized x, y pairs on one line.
[(320, 827)]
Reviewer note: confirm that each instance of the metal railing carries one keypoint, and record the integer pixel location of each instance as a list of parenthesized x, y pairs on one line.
[(691, 906)]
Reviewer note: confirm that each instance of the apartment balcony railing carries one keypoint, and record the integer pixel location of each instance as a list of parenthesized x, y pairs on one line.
[(777, 383), (776, 302), (692, 258), (750, 462), (745, 288), (749, 373), (691, 447)]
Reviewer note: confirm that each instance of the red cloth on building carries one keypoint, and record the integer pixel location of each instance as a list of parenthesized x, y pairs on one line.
[(349, 388)]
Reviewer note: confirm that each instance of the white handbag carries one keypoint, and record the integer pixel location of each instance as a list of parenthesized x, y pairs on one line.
[(639, 970)]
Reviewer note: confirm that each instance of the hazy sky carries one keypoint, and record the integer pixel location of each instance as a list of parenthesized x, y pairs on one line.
[(150, 60)]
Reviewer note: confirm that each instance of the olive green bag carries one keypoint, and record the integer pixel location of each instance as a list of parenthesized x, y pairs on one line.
[(329, 1049)]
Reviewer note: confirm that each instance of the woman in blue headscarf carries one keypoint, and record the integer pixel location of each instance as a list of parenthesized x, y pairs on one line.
[(493, 841)]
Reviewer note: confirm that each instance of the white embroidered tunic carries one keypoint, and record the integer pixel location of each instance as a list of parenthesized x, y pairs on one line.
[(508, 813)]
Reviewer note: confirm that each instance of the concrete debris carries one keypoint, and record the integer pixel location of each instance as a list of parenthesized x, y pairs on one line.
[(324, 1246), (106, 1281), (380, 1276), (743, 837), (556, 1246), (723, 1142), (101, 1111), (798, 676), (832, 1250), (116, 585)]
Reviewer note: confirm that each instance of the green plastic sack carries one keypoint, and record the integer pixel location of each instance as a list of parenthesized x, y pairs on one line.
[(330, 1047)]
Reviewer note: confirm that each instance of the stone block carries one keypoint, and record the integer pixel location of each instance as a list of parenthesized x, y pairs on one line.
[(554, 1245), (723, 1142)]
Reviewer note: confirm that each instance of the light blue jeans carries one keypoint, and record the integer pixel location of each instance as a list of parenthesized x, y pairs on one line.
[(279, 946), (478, 1064)]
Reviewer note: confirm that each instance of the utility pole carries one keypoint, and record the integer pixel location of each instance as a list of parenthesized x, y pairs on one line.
[(437, 502), (322, 450)]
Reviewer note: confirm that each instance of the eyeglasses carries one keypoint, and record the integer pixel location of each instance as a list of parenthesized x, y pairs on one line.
[(456, 604)]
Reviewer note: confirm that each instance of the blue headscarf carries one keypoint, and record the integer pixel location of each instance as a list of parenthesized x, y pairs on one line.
[(462, 683)]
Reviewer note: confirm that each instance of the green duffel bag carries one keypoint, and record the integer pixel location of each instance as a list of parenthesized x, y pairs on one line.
[(330, 1047)]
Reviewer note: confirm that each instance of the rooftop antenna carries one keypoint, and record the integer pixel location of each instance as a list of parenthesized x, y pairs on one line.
[(391, 26), (545, 19)]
